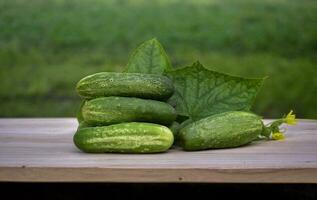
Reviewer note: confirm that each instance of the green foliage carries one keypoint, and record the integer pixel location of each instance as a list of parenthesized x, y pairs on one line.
[(201, 92), (47, 46), (149, 58)]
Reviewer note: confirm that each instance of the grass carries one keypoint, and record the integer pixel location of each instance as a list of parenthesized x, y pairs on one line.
[(47, 46)]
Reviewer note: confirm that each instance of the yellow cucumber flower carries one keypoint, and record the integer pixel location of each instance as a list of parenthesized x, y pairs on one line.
[(290, 118), (278, 136)]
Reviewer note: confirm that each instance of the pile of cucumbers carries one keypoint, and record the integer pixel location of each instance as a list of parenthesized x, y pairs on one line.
[(125, 113), (128, 113)]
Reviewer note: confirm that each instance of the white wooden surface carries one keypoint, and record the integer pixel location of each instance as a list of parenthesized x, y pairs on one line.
[(36, 150)]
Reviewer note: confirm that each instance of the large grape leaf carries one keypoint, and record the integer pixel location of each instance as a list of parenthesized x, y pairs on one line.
[(148, 58), (201, 92)]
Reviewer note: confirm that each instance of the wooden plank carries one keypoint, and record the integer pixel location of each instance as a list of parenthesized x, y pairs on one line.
[(42, 150)]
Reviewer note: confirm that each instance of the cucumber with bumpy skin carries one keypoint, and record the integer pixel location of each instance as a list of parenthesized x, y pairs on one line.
[(83, 124), (133, 137), (174, 127), (113, 110), (79, 114), (147, 86), (224, 130)]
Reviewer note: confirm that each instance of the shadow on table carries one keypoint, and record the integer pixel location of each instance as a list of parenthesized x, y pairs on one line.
[(161, 191)]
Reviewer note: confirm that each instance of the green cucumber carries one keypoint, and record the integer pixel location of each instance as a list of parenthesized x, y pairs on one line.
[(133, 137), (113, 110), (79, 114), (174, 127), (224, 130), (177, 127), (146, 86), (185, 123), (83, 124)]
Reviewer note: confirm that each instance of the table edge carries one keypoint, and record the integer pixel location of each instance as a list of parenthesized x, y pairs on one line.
[(165, 175)]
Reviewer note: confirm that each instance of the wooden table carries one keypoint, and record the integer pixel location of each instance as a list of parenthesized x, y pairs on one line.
[(41, 150)]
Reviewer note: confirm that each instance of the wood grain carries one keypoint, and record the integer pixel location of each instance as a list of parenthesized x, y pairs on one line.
[(41, 150)]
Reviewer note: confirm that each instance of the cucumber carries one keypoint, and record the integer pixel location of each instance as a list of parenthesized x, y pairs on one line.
[(133, 137), (174, 127), (146, 86), (83, 124), (79, 114), (113, 110), (185, 123), (225, 130)]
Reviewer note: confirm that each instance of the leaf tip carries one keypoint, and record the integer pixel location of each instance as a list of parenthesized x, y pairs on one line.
[(153, 40), (197, 63)]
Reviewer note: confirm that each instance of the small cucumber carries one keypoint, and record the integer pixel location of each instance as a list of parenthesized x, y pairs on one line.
[(185, 123), (83, 124), (174, 127), (224, 130), (146, 86), (113, 110), (79, 114), (133, 137)]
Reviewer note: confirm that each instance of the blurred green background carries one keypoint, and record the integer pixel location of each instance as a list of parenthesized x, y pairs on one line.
[(46, 46)]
